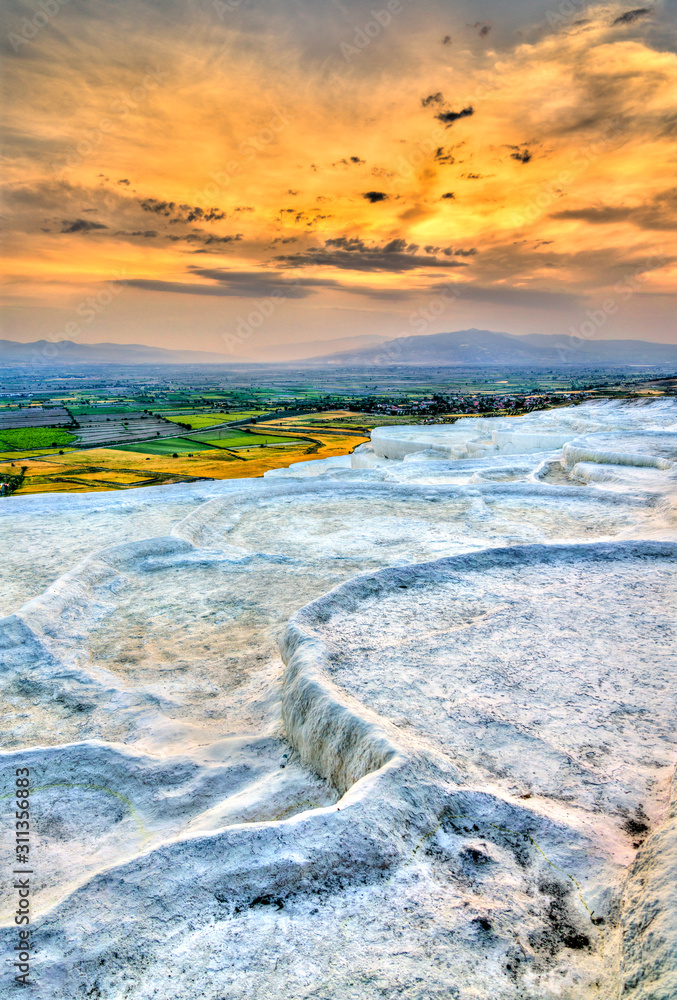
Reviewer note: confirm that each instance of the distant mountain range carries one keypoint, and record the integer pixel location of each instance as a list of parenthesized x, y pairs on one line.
[(68, 352), (305, 349), (462, 347), (483, 347)]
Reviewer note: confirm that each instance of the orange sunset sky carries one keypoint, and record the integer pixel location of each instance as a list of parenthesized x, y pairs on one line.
[(338, 168)]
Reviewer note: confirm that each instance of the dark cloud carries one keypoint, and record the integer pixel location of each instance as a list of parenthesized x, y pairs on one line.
[(298, 215), (186, 288), (450, 251), (208, 239), (236, 284), (353, 254), (374, 196), (81, 226), (659, 213), (598, 216), (446, 40), (147, 234), (449, 117), (257, 284), (449, 194), (482, 27), (349, 161), (530, 298), (431, 99), (353, 244), (197, 214), (443, 155), (181, 213), (123, 181), (265, 282), (395, 246), (632, 15), (521, 155), (165, 208)]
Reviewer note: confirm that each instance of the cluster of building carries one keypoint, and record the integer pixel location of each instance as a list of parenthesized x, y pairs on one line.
[(468, 404)]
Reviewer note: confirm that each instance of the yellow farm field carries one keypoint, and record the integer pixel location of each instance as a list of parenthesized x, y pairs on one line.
[(106, 468), (198, 421)]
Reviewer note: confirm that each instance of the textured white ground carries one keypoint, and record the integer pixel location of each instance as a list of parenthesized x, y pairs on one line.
[(394, 725)]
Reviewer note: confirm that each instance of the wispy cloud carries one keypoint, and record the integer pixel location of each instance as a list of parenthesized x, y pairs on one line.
[(630, 16), (354, 254), (81, 226), (284, 162), (659, 213)]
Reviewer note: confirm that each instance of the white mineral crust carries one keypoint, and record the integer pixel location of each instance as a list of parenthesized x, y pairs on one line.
[(393, 725)]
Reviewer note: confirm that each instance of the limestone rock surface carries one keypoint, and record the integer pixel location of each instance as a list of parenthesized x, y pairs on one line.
[(395, 725)]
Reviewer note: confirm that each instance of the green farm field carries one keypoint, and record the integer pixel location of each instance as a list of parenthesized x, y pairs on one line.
[(199, 420), (25, 438), (85, 410), (227, 438), (205, 442), (165, 446)]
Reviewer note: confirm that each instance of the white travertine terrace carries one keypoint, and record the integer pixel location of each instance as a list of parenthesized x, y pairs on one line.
[(394, 725)]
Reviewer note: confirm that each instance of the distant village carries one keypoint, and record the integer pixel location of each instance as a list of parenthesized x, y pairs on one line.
[(442, 405)]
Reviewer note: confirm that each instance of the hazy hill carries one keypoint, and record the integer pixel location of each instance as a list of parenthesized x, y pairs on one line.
[(68, 352), (461, 347), (468, 347)]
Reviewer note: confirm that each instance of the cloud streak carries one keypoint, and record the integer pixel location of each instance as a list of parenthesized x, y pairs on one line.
[(353, 254), (81, 226)]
